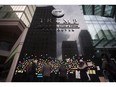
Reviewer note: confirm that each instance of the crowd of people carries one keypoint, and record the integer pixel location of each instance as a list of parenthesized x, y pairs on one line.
[(55, 70), (71, 70)]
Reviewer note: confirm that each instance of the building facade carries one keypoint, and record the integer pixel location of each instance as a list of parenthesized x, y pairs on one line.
[(101, 10), (103, 32), (40, 41), (69, 50), (13, 21)]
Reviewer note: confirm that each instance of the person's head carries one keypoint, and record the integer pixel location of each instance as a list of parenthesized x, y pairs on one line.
[(105, 57), (35, 61), (81, 60)]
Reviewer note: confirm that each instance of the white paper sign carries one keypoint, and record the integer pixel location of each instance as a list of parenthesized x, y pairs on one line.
[(77, 74)]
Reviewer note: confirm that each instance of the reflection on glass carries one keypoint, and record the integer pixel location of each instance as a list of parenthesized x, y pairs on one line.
[(99, 31), (112, 30), (92, 31), (88, 9), (106, 31), (108, 10), (102, 29), (86, 17), (92, 17), (97, 9)]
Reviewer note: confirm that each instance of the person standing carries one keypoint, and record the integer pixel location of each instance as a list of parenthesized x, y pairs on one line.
[(105, 71), (31, 70), (109, 68), (63, 73), (83, 71), (46, 72)]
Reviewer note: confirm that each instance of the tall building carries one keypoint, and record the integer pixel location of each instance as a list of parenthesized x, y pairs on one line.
[(14, 19), (69, 50), (40, 41), (86, 44), (41, 37), (68, 29)]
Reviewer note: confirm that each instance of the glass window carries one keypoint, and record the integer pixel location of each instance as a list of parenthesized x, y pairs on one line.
[(87, 18), (4, 45), (12, 15), (28, 14), (97, 10), (106, 31), (6, 8), (111, 19), (108, 10), (18, 8), (25, 20), (95, 21), (92, 17), (99, 30), (1, 6), (31, 9), (105, 19), (88, 21), (92, 31), (112, 30), (114, 25), (2, 14), (88, 9), (113, 22), (100, 21), (99, 18), (81, 9)]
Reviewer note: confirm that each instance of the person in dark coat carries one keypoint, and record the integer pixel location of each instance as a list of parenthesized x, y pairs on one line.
[(105, 71), (109, 68), (31, 70), (46, 72), (63, 73), (83, 71)]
